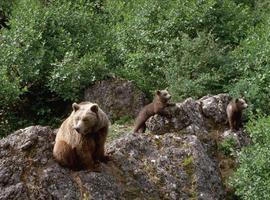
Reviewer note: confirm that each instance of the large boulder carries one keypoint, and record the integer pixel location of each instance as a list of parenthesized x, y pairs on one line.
[(179, 161), (117, 97), (146, 166), (192, 116)]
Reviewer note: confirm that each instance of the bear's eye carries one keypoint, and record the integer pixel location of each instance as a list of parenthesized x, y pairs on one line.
[(85, 119)]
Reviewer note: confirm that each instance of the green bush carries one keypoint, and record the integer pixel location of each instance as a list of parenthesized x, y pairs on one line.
[(52, 51), (46, 42), (180, 44), (55, 49), (195, 70), (252, 68), (227, 146), (252, 178), (70, 76), (6, 7), (138, 41)]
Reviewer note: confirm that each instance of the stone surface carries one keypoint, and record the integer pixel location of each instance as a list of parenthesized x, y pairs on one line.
[(176, 162), (146, 166), (192, 116), (214, 107), (117, 97), (240, 137)]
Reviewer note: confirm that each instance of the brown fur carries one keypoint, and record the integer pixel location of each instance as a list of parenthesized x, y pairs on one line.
[(80, 141), (234, 113), (161, 100)]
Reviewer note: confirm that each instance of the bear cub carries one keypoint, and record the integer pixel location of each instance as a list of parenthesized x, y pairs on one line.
[(80, 141), (234, 113), (161, 100)]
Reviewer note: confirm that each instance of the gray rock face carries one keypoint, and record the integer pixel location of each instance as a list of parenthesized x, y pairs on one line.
[(240, 137), (192, 116), (215, 107), (169, 166), (118, 98)]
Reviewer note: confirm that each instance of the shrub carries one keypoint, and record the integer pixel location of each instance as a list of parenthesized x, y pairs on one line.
[(195, 68), (5, 9), (252, 178), (52, 51), (227, 146), (70, 76), (44, 41), (252, 66), (184, 41)]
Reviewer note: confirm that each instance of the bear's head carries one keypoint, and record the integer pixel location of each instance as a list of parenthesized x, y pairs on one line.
[(163, 95), (241, 103), (85, 117)]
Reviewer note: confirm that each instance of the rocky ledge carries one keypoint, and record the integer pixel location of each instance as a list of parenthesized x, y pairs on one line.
[(192, 116), (175, 165)]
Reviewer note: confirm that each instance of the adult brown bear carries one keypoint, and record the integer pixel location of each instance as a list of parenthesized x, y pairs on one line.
[(80, 140)]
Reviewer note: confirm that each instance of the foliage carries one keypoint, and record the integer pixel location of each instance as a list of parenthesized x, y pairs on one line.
[(252, 67), (252, 178), (52, 51), (6, 7), (124, 120), (45, 47), (195, 70), (116, 130), (71, 75), (184, 41), (187, 161), (55, 49), (227, 146)]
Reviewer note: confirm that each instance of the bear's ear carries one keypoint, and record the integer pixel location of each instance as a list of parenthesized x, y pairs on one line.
[(236, 100), (94, 108), (75, 106), (158, 92)]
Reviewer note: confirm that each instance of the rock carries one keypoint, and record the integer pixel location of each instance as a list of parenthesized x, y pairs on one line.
[(215, 107), (180, 164), (192, 116), (169, 166), (240, 137), (117, 97), (20, 162)]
